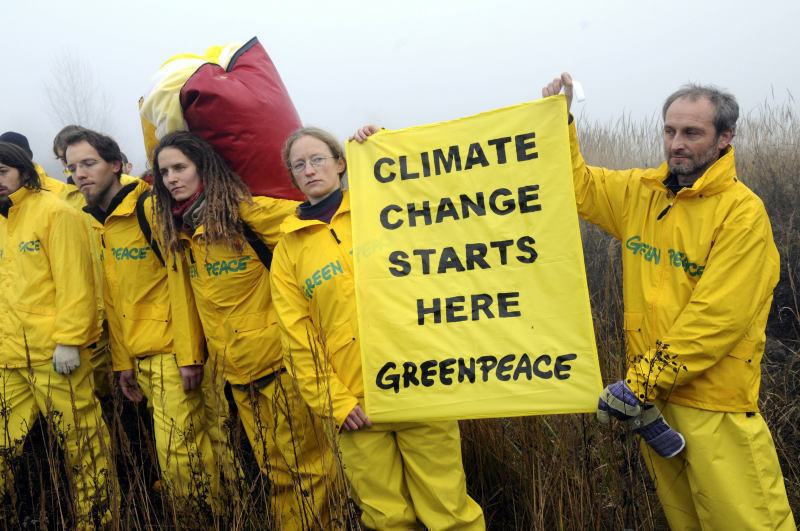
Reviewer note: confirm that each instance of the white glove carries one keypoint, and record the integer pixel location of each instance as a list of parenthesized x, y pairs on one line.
[(66, 359)]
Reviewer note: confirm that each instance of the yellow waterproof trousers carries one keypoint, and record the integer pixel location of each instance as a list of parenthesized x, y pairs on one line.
[(404, 473), (292, 450), (73, 414), (728, 477), (186, 454)]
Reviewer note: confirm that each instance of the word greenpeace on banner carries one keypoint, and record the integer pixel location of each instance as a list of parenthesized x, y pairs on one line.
[(469, 272), (451, 370)]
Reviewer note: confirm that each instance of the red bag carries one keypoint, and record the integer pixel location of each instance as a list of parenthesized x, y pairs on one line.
[(246, 113)]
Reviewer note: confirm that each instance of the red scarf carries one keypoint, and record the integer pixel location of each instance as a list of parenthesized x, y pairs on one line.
[(180, 207)]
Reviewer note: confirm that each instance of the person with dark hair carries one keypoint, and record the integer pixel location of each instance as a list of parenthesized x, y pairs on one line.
[(209, 219), (154, 360), (126, 165), (400, 474), (16, 158), (47, 326), (695, 312), (59, 142), (48, 183)]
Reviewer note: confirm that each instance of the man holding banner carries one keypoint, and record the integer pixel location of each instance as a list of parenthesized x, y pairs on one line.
[(699, 267)]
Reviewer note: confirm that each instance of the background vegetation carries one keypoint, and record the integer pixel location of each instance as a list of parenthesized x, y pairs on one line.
[(550, 472)]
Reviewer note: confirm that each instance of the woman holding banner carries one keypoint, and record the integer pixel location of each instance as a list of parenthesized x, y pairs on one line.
[(400, 473), (206, 213)]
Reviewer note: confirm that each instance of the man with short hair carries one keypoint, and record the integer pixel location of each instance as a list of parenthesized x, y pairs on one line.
[(695, 313), (154, 358), (47, 329)]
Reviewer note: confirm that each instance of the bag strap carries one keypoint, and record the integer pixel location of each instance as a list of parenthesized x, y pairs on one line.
[(261, 249), (145, 226)]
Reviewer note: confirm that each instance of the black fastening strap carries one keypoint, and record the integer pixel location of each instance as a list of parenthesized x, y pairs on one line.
[(261, 249), (145, 226)]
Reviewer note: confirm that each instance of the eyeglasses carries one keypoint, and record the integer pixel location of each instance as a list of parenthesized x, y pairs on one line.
[(86, 163), (317, 162)]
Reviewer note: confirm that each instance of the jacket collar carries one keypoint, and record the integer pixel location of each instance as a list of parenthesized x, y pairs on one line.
[(122, 204), (19, 197), (718, 177), (16, 199), (294, 223)]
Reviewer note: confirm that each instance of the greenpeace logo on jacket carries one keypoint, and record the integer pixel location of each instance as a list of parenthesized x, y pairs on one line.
[(29, 246), (320, 275), (652, 254), (223, 267), (128, 253)]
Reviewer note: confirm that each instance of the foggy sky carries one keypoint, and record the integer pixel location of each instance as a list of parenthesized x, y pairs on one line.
[(400, 64)]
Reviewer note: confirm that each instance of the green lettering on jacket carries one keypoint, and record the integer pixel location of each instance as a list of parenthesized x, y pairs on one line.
[(223, 267), (319, 276)]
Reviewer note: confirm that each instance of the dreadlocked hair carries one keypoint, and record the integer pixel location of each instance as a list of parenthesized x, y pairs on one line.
[(223, 189)]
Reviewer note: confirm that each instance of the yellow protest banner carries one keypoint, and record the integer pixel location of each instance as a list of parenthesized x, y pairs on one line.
[(470, 283)]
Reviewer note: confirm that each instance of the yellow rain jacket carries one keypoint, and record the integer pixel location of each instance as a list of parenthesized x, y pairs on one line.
[(699, 268), (232, 293), (316, 258), (70, 193), (45, 280), (137, 299)]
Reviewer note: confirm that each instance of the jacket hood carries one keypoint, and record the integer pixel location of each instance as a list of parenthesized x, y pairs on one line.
[(718, 177)]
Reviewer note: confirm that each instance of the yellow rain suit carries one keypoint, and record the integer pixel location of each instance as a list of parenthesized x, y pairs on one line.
[(399, 472), (699, 268), (100, 357), (232, 293), (48, 299), (140, 315)]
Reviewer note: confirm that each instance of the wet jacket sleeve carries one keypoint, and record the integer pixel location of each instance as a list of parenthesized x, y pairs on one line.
[(319, 384), (265, 215), (120, 357), (600, 194), (739, 276), (71, 266), (188, 340)]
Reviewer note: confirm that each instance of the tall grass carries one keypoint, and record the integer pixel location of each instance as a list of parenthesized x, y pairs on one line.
[(548, 472)]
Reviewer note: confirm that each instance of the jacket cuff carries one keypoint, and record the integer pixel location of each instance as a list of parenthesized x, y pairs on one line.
[(653, 370), (343, 408), (122, 363)]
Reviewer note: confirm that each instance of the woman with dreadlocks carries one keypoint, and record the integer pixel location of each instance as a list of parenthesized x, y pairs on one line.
[(207, 215)]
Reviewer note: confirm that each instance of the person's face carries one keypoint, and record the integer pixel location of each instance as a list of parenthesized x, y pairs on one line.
[(94, 177), (316, 182), (10, 182), (691, 141), (179, 173)]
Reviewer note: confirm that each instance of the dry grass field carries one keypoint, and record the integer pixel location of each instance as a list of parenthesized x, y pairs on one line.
[(551, 472)]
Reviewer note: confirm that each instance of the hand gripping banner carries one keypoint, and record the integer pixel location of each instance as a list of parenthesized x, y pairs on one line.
[(470, 283), (234, 98)]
